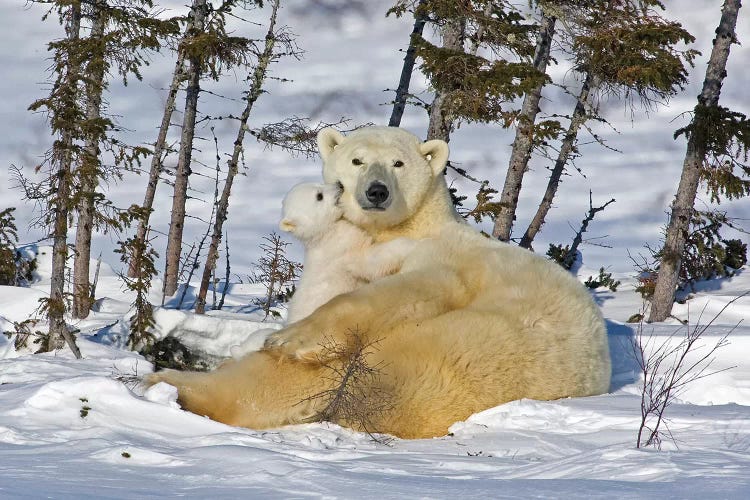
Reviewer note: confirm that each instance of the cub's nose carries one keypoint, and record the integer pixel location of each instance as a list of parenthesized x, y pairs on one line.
[(377, 193)]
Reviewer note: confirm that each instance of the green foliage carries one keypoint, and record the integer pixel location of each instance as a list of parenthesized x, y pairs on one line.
[(707, 255), (604, 279), (559, 254), (477, 88), (723, 136), (85, 408), (634, 51), (563, 255), (142, 256), (211, 46), (485, 207), (23, 332), (8, 240)]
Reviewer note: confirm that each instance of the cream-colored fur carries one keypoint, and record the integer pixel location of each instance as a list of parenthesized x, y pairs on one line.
[(339, 256), (466, 324)]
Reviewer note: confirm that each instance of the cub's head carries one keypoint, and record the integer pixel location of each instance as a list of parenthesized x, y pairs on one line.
[(386, 172), (309, 210)]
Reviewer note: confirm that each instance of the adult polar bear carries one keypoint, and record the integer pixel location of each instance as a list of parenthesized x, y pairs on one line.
[(466, 324)]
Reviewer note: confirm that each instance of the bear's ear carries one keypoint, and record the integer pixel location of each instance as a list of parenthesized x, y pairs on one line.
[(436, 152), (328, 139), (287, 225)]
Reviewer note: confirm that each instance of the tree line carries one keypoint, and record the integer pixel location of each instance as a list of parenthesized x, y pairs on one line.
[(487, 61)]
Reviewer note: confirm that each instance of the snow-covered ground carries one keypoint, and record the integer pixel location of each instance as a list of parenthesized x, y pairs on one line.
[(80, 428), (76, 429)]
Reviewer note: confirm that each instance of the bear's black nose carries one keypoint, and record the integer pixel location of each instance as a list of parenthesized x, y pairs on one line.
[(377, 193)]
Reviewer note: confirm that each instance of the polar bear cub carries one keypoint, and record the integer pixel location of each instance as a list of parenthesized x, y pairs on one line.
[(339, 257)]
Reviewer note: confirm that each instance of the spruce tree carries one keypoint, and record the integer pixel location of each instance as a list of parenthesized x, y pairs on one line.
[(209, 50), (121, 35), (471, 83), (256, 79), (717, 141), (523, 143), (65, 114), (623, 49)]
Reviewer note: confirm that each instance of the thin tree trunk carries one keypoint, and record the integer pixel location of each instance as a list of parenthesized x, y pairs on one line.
[(566, 149), (89, 170), (58, 329), (524, 141), (256, 89), (409, 59), (156, 161), (177, 223), (441, 123), (682, 206)]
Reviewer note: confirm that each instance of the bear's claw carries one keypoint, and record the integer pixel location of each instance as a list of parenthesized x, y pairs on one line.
[(294, 346)]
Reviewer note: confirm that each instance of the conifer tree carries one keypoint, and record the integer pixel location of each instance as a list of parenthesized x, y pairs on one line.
[(120, 36), (471, 82), (65, 116), (523, 143), (208, 50), (256, 80), (621, 48), (716, 140), (90, 161)]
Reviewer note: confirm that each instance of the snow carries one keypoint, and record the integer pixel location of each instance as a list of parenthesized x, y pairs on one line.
[(82, 429)]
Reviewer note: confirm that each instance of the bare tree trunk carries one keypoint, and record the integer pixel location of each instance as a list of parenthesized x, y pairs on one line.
[(524, 141), (403, 84), (177, 223), (682, 206), (441, 123), (256, 89), (58, 330), (156, 160), (89, 170), (566, 149)]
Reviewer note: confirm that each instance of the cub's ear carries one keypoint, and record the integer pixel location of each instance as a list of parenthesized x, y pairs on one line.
[(287, 225), (328, 139), (436, 153)]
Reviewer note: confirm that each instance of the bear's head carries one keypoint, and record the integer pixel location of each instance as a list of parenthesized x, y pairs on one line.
[(309, 210), (386, 173)]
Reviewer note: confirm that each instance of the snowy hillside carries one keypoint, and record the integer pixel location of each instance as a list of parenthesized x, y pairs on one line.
[(83, 429)]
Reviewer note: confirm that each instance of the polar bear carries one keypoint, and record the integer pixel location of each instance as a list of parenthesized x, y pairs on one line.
[(467, 323), (339, 256)]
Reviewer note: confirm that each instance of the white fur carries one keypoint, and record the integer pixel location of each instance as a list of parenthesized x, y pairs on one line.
[(339, 257)]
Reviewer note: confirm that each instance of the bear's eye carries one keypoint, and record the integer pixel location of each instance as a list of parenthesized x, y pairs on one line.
[(398, 164), (319, 197), (356, 161)]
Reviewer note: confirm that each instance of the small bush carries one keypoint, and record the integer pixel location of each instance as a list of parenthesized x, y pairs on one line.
[(559, 254), (707, 255), (276, 272), (16, 269), (24, 332), (604, 279)]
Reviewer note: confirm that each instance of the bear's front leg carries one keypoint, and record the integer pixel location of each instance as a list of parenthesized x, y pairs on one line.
[(368, 312)]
